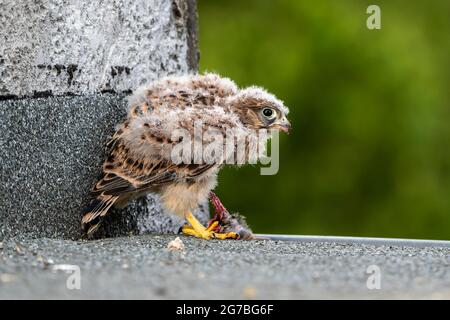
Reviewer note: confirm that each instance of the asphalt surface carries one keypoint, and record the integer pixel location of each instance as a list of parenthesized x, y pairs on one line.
[(50, 172), (142, 267)]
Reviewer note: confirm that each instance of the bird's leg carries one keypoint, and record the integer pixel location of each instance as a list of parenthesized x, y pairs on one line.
[(219, 208), (223, 221), (196, 229), (220, 212)]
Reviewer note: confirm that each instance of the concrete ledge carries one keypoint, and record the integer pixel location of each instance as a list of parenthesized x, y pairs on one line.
[(141, 267)]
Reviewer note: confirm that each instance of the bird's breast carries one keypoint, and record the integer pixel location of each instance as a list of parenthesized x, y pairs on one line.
[(181, 197)]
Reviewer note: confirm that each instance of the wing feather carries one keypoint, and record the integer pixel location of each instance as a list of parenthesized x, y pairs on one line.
[(120, 180)]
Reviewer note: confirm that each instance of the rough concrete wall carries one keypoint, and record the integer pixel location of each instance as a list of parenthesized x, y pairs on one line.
[(82, 46), (52, 146)]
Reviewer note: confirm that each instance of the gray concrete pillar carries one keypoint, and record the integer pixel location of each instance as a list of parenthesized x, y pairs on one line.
[(65, 68)]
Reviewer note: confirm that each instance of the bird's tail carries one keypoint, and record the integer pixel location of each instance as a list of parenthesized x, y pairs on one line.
[(97, 209)]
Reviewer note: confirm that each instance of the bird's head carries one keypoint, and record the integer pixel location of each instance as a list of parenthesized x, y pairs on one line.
[(258, 109)]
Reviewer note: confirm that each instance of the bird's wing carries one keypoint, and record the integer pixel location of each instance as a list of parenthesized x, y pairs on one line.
[(125, 171), (124, 174)]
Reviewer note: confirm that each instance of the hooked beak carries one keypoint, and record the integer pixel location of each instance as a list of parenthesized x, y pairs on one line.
[(284, 126)]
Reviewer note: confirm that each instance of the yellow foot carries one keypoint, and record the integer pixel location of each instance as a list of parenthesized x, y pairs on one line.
[(196, 229), (207, 234)]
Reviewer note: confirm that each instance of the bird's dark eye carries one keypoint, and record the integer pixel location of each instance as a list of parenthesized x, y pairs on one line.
[(269, 113)]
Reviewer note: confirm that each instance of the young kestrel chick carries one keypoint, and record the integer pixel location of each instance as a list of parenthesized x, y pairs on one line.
[(167, 116)]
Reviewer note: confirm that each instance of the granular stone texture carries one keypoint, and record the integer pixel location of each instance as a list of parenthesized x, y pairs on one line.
[(142, 267), (86, 46), (52, 151)]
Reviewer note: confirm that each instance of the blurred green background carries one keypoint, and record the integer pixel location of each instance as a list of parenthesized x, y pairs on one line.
[(370, 151)]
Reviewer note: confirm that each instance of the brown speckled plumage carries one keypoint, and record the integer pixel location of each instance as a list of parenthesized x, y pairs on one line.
[(139, 159)]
